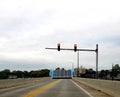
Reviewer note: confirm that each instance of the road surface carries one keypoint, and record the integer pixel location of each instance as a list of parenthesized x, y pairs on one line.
[(50, 88)]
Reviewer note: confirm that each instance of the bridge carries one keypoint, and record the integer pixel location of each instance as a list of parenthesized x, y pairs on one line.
[(56, 74)]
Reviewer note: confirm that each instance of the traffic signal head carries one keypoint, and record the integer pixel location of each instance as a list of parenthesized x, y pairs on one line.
[(58, 46), (96, 48), (75, 47)]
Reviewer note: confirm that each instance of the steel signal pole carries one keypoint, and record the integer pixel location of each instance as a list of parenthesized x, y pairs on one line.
[(96, 60), (75, 49), (78, 64)]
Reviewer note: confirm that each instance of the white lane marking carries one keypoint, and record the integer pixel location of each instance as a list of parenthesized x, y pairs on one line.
[(82, 89)]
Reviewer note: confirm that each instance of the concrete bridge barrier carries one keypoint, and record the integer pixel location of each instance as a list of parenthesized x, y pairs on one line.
[(107, 86)]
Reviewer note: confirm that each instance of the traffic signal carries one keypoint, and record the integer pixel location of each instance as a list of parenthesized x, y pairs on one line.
[(58, 46), (96, 48), (75, 47)]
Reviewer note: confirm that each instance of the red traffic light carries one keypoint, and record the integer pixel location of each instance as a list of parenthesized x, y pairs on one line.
[(58, 46), (75, 47)]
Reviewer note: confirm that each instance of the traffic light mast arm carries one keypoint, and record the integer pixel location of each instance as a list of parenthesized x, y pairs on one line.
[(85, 50), (60, 49), (75, 49), (71, 49)]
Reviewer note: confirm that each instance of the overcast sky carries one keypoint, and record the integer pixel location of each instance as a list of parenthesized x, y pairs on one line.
[(27, 27)]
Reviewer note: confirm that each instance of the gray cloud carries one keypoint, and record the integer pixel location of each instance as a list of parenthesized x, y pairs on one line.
[(28, 27)]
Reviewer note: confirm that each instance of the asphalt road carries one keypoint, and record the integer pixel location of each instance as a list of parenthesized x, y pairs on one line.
[(50, 88)]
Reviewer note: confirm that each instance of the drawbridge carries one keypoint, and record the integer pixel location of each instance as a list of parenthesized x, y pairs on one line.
[(62, 74)]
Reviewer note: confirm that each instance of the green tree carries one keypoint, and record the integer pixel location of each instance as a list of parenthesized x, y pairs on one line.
[(115, 70), (18, 73), (44, 73), (90, 73), (5, 74), (26, 74), (34, 73), (102, 74), (62, 69), (117, 67), (57, 68)]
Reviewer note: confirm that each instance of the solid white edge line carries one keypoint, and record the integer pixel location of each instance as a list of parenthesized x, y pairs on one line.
[(82, 89)]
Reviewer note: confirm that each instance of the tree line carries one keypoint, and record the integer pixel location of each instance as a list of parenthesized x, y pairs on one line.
[(89, 73), (5, 74), (103, 74)]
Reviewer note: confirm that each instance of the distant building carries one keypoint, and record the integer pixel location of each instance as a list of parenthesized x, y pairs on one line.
[(81, 70)]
